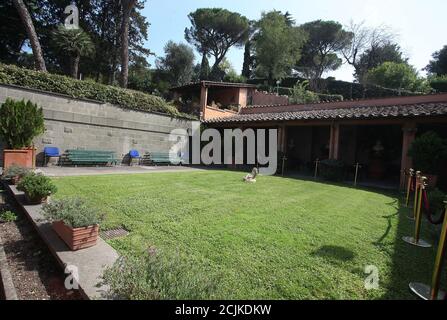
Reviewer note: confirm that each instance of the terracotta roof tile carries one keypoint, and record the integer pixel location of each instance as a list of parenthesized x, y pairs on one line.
[(354, 112)]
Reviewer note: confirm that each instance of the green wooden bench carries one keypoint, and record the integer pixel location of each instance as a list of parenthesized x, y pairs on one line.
[(164, 158), (93, 157)]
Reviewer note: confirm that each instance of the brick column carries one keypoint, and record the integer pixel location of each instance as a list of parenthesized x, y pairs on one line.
[(334, 141), (203, 101), (409, 134)]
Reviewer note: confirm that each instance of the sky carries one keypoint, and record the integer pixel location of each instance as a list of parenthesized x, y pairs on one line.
[(419, 24)]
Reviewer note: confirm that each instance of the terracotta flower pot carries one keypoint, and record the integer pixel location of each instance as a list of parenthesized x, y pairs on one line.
[(77, 238), (20, 157), (35, 200)]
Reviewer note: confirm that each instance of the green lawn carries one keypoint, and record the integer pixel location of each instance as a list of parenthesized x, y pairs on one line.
[(277, 239)]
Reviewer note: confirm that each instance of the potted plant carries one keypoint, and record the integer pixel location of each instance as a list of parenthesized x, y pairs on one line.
[(20, 123), (15, 173), (428, 151), (75, 221), (37, 188)]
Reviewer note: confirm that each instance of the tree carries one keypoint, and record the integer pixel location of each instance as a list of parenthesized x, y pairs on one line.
[(214, 32), (140, 75), (325, 40), (396, 76), (127, 7), (32, 35), (370, 47), (277, 46), (249, 59), (178, 63), (75, 43), (247, 67), (438, 65)]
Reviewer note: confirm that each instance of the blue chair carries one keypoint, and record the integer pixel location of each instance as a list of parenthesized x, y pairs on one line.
[(134, 154), (51, 152)]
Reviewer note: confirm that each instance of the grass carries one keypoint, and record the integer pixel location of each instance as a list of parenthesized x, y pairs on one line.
[(277, 239)]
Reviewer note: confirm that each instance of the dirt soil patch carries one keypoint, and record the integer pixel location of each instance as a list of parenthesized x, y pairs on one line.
[(35, 272)]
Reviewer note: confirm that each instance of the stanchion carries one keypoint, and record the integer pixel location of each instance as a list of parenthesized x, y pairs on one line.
[(357, 167), (409, 184), (417, 188), (317, 162), (432, 292), (284, 159), (416, 240)]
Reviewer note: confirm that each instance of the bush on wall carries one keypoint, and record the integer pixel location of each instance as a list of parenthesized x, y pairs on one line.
[(439, 83), (336, 88), (124, 98)]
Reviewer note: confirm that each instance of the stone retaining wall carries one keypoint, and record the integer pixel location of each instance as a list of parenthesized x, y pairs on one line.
[(75, 123)]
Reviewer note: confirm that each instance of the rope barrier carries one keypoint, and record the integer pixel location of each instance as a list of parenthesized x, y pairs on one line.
[(427, 211)]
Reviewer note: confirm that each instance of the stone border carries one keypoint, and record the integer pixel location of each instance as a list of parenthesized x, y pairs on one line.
[(90, 262), (6, 283)]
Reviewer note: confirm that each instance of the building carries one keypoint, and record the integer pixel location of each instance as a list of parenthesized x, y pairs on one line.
[(222, 99), (376, 133)]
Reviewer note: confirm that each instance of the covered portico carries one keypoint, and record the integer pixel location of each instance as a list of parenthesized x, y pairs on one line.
[(375, 133)]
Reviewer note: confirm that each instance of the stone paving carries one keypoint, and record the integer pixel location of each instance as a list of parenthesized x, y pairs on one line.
[(90, 171)]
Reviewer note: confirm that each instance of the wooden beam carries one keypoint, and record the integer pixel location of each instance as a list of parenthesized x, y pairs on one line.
[(334, 141), (409, 134), (203, 101)]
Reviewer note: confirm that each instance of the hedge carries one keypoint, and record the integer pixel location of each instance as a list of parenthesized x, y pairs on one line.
[(125, 98), (439, 84), (349, 90), (284, 91)]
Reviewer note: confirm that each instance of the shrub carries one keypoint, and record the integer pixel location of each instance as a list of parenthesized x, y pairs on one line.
[(436, 200), (36, 186), (8, 216), (348, 90), (439, 83), (332, 170), (159, 277), (20, 123), (300, 94), (74, 212), (124, 98), (15, 171), (427, 152)]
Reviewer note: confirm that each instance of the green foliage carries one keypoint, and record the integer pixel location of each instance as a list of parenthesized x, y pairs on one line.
[(124, 98), (375, 56), (178, 63), (159, 276), (234, 77), (300, 94), (428, 151), (36, 186), (20, 123), (325, 40), (214, 31), (277, 46), (332, 170), (439, 83), (436, 199), (438, 65), (73, 42), (15, 171), (8, 216), (397, 76), (74, 212)]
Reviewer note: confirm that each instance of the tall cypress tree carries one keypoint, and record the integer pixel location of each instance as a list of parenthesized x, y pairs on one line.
[(248, 61)]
